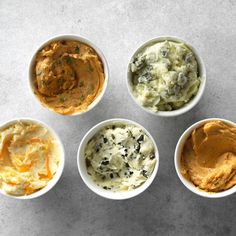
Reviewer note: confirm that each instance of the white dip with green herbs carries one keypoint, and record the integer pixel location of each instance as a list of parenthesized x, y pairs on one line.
[(120, 157), (164, 76)]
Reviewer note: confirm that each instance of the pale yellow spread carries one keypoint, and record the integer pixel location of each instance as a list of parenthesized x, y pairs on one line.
[(120, 157), (209, 157), (68, 76), (29, 158)]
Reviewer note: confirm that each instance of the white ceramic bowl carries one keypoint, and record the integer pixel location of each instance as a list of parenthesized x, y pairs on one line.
[(178, 151), (60, 169), (202, 74), (83, 40), (88, 180)]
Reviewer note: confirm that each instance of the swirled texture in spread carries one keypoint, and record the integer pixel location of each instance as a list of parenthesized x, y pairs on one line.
[(29, 158), (165, 76), (120, 157), (209, 157), (68, 76)]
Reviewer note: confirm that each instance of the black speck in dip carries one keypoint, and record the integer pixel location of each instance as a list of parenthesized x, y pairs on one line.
[(88, 163), (105, 163), (137, 149), (152, 157), (144, 173), (141, 138)]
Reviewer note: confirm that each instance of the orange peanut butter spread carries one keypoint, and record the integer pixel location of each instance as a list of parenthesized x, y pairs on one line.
[(68, 76), (209, 157)]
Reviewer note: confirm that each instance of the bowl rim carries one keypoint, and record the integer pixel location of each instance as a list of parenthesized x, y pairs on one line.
[(60, 169), (202, 74), (69, 37), (87, 179), (178, 150)]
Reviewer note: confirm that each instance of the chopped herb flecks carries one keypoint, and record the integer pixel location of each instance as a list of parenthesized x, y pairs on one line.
[(137, 149), (152, 157), (81, 83), (82, 98), (105, 163), (90, 68), (60, 81), (62, 99), (141, 138), (144, 173), (69, 60), (77, 50)]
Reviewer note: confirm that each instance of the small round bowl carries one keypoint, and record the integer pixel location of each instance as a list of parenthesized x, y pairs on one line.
[(202, 75), (88, 180), (60, 169), (83, 40), (178, 151)]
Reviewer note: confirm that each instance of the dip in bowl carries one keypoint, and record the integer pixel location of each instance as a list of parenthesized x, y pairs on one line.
[(68, 75), (205, 158), (31, 158), (166, 76), (118, 159)]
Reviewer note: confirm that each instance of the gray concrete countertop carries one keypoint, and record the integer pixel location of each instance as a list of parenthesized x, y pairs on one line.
[(118, 28)]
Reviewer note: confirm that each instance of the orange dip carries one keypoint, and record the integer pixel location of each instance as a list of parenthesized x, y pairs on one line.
[(68, 76), (209, 157)]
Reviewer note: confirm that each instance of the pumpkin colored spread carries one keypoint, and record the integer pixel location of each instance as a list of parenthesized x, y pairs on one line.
[(209, 157), (68, 76)]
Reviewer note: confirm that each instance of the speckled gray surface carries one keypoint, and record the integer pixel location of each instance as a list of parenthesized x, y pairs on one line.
[(118, 28)]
